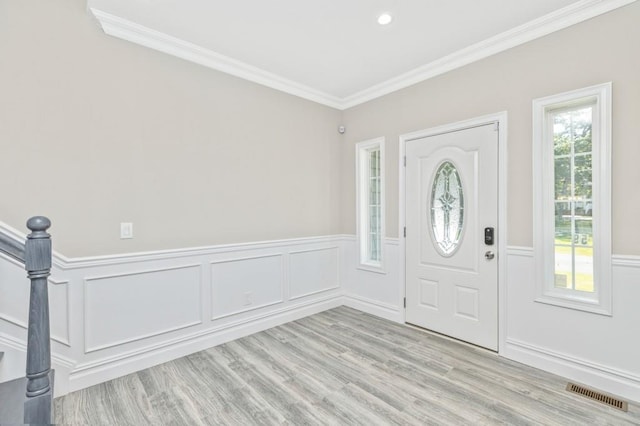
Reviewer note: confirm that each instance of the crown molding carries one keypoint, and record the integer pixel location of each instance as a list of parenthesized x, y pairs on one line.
[(139, 34), (555, 21), (547, 24)]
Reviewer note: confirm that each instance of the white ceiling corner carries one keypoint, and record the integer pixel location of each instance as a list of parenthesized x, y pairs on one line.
[(124, 22)]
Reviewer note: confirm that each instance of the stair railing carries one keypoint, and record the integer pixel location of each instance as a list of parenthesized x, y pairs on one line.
[(35, 254)]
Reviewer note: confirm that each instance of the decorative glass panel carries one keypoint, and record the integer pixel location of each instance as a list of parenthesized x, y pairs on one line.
[(447, 208)]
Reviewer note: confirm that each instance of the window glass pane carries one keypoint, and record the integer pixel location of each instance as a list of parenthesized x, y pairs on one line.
[(374, 164), (574, 268), (562, 134), (563, 276), (374, 192), (373, 248), (562, 174), (583, 234), (563, 224), (581, 123), (564, 267), (584, 208), (583, 172), (584, 269), (373, 220)]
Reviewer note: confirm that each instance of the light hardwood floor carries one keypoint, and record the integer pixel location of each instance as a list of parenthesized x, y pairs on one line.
[(339, 367)]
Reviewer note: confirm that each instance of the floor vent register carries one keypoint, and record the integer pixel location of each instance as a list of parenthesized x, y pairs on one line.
[(598, 396)]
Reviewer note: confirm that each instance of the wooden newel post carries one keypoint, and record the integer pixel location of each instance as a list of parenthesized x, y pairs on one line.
[(38, 265)]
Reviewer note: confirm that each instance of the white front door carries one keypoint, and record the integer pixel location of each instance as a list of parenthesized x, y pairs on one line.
[(451, 202)]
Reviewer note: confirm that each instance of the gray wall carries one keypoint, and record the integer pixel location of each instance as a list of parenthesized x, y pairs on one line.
[(113, 132), (596, 51), (95, 131)]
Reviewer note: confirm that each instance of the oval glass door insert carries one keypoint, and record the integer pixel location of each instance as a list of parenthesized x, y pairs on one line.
[(447, 208)]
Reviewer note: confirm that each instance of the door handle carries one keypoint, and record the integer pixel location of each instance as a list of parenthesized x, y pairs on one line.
[(489, 255)]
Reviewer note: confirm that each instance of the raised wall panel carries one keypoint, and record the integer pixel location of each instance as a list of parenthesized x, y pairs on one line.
[(59, 310), (127, 307), (313, 271), (240, 285)]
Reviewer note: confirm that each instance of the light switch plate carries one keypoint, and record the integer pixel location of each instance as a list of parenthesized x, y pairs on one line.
[(126, 230)]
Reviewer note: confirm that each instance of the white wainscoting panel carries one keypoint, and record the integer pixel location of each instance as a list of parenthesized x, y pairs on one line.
[(377, 293), (114, 315), (596, 350), (313, 271), (245, 284), (132, 306)]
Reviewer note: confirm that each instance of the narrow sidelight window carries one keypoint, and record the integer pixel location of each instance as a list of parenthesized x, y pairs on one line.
[(370, 207), (572, 199)]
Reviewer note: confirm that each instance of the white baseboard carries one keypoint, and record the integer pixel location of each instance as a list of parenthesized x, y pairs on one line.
[(607, 379), (373, 307), (126, 363)]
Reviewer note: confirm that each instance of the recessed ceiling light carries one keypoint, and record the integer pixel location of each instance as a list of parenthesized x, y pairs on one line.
[(385, 19)]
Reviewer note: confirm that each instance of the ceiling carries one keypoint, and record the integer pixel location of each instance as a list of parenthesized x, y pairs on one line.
[(334, 51)]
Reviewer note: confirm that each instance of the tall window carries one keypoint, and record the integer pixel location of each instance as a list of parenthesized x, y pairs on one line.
[(572, 194), (370, 208)]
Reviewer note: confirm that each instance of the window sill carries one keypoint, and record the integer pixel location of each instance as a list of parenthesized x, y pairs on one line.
[(573, 302), (372, 268)]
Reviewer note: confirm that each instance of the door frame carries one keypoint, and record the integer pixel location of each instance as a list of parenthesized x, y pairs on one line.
[(501, 119)]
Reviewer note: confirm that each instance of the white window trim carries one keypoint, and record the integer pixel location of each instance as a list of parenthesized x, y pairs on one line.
[(598, 302), (362, 221)]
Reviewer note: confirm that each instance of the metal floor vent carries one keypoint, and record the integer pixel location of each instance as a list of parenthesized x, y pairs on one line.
[(598, 396)]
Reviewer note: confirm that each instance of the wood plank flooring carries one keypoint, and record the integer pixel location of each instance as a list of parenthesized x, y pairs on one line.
[(339, 367)]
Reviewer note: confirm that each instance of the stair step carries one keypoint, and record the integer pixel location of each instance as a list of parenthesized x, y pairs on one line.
[(12, 395)]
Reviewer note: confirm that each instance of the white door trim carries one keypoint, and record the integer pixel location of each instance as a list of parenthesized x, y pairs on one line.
[(501, 119)]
